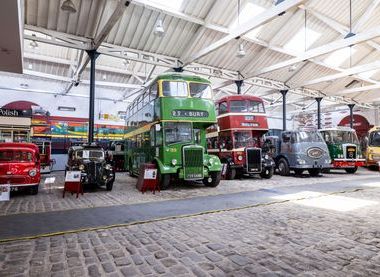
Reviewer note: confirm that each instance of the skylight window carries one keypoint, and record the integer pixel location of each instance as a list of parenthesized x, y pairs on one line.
[(368, 74), (249, 11), (297, 43), (340, 56), (175, 4)]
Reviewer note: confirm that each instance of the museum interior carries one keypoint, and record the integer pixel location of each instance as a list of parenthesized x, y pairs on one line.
[(189, 138)]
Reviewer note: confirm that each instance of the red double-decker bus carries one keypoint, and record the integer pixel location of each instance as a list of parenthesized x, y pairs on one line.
[(237, 137)]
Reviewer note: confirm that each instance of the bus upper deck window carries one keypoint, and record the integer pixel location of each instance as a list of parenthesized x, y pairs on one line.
[(174, 89), (255, 107), (199, 90), (238, 106)]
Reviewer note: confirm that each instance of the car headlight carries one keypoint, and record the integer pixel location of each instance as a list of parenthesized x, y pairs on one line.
[(266, 157), (174, 162), (301, 161), (240, 157), (108, 167), (33, 172), (328, 161), (81, 167), (211, 161)]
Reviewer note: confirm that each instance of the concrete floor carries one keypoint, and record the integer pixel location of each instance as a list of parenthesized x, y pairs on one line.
[(303, 226)]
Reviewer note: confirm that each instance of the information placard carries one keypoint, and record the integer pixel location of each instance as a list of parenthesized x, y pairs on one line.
[(5, 191), (73, 176), (150, 174)]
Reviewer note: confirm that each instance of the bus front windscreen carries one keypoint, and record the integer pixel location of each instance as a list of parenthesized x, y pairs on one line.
[(242, 106), (178, 132), (340, 137), (374, 138), (174, 89), (199, 90)]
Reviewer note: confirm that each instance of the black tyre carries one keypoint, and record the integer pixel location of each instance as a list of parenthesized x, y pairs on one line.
[(298, 171), (230, 173), (109, 185), (33, 190), (314, 172), (213, 180), (239, 173), (283, 167), (163, 180), (131, 173), (267, 173), (351, 170)]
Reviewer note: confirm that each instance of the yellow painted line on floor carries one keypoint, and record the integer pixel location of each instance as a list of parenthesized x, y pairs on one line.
[(164, 218)]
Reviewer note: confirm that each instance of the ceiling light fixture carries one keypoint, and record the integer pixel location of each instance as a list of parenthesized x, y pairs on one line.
[(159, 29), (241, 52), (126, 62), (292, 68), (68, 6)]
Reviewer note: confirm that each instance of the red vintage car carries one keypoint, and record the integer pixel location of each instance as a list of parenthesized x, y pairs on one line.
[(20, 166)]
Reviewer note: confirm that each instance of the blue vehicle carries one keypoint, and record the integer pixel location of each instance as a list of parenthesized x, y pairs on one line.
[(299, 151)]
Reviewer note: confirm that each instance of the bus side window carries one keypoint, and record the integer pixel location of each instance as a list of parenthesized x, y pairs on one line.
[(158, 134), (152, 136), (222, 107)]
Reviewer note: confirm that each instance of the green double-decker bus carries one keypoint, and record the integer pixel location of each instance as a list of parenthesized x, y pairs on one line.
[(166, 125)]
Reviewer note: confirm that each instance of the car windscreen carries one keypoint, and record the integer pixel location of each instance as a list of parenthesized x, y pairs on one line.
[(15, 156), (307, 136), (374, 138), (90, 154), (178, 132), (199, 90)]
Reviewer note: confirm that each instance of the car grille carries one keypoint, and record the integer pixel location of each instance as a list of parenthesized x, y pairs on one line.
[(253, 160), (350, 152), (193, 162)]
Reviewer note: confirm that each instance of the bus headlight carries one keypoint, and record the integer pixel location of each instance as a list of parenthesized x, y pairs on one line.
[(108, 167), (81, 167), (33, 172), (240, 157), (174, 162)]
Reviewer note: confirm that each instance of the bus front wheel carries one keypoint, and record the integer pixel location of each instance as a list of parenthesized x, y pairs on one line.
[(351, 170), (213, 179), (163, 180)]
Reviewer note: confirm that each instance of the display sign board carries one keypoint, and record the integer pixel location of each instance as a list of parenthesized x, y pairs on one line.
[(15, 113), (73, 176), (150, 174), (189, 113), (5, 192)]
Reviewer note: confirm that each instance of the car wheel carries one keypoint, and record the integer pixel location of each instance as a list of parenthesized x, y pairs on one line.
[(351, 170), (267, 173), (213, 180), (33, 190), (109, 185), (283, 167), (314, 172)]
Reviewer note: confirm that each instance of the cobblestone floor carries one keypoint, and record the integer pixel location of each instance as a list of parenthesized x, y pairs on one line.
[(322, 235), (124, 192)]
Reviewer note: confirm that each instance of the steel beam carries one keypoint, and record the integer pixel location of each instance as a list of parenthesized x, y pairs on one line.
[(284, 92), (91, 117), (318, 99), (351, 107)]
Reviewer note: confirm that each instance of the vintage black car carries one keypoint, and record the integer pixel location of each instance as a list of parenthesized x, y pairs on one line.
[(91, 161)]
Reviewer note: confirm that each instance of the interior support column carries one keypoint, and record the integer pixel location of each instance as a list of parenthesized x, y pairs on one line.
[(91, 116), (284, 92), (351, 106), (318, 99), (239, 83)]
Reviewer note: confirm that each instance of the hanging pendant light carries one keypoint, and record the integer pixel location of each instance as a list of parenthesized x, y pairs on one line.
[(68, 6), (33, 44), (241, 52), (159, 29)]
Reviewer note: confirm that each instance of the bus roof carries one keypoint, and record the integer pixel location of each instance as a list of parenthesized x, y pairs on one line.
[(239, 97), (181, 76)]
